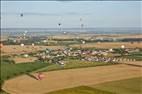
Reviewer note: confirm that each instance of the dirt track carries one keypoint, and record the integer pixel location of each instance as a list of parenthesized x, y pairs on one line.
[(70, 78)]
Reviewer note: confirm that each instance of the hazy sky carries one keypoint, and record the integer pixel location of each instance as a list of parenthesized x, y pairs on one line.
[(46, 14)]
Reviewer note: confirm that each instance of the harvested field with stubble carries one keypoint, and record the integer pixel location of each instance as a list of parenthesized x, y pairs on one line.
[(24, 60), (14, 49), (87, 36), (56, 80), (108, 45), (125, 86), (134, 63)]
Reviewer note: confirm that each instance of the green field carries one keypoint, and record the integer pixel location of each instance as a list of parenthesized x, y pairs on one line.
[(136, 55), (80, 90), (3, 92), (72, 64), (11, 70), (127, 86)]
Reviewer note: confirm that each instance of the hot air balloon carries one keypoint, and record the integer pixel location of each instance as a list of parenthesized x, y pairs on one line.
[(59, 24), (33, 44), (21, 15), (122, 46), (65, 32), (22, 45), (81, 24), (80, 19), (83, 42)]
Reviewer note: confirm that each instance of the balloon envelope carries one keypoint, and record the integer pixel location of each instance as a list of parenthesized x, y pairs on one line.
[(59, 24), (21, 14)]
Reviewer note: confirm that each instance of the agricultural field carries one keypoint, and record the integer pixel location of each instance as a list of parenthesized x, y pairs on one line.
[(126, 86), (9, 69), (12, 70), (72, 64), (81, 90), (73, 68), (108, 45), (19, 59), (14, 49), (12, 67), (62, 79), (88, 36), (137, 56)]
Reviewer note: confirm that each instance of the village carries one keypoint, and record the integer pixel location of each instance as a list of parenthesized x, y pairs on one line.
[(50, 49), (101, 55)]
